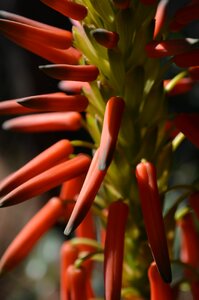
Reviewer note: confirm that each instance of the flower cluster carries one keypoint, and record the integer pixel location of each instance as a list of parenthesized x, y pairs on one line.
[(113, 72)]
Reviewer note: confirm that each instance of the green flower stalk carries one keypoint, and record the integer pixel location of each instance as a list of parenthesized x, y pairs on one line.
[(113, 67)]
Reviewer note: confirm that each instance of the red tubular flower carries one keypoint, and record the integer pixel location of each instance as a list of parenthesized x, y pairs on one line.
[(194, 73), (189, 241), (73, 87), (187, 59), (77, 282), (87, 194), (59, 38), (160, 17), (184, 85), (30, 234), (111, 125), (121, 4), (157, 49), (153, 219), (47, 180), (159, 289), (189, 125), (68, 255), (114, 249), (68, 8), (45, 160), (11, 107), (45, 122), (194, 202), (47, 51), (108, 39), (70, 72), (71, 188), (55, 102)]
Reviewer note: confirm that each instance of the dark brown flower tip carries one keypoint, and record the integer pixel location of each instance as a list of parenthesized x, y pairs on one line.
[(45, 160), (47, 180), (57, 38), (68, 255), (73, 87), (87, 194), (55, 102), (11, 107), (157, 49), (70, 72), (68, 8), (111, 125), (160, 17), (184, 85), (187, 59), (45, 122), (159, 289), (77, 282), (188, 124), (153, 219), (114, 249), (108, 39), (31, 233), (121, 4)]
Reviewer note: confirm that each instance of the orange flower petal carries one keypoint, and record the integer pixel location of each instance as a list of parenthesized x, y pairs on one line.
[(30, 234), (54, 38), (68, 255), (114, 249), (167, 48), (153, 219), (108, 39), (110, 130), (71, 72), (76, 278), (47, 180), (45, 160), (11, 107), (45, 122), (73, 87), (55, 102), (68, 8), (71, 188), (160, 16), (159, 289), (87, 194)]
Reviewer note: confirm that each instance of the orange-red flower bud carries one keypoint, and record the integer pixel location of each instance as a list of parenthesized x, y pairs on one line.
[(158, 288), (167, 48), (73, 87), (30, 234), (108, 39), (184, 85), (187, 59), (160, 16), (45, 122), (45, 160), (189, 125), (114, 249), (68, 8), (55, 102), (11, 107), (77, 282), (71, 72), (47, 180), (153, 219)]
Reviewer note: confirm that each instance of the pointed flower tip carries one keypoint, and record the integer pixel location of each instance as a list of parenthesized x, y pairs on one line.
[(68, 230), (108, 39)]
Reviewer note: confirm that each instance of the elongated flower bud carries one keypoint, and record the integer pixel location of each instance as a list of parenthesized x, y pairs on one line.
[(11, 107), (47, 180), (68, 255), (194, 202), (77, 282), (167, 48), (153, 219), (30, 234), (45, 122), (87, 194), (187, 59), (55, 102), (68, 8), (189, 125), (71, 188), (114, 249), (160, 16), (183, 86), (106, 38), (110, 130), (159, 289), (73, 87), (69, 72), (45, 160)]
